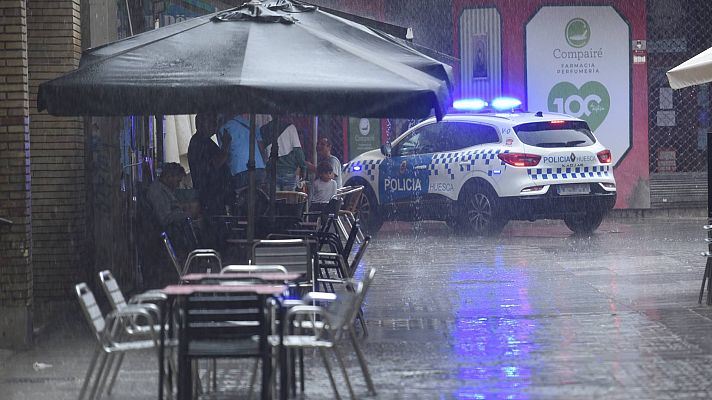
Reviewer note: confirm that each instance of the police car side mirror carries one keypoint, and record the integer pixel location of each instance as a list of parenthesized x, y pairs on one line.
[(386, 149)]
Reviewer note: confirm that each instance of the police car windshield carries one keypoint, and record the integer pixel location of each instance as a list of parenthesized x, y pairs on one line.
[(555, 134)]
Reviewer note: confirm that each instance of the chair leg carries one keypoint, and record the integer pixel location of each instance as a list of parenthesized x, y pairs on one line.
[(215, 374), (195, 378), (116, 372), (253, 377), (362, 320), (328, 372), (362, 362), (301, 369), (704, 278), (90, 372), (343, 371), (96, 389), (709, 286)]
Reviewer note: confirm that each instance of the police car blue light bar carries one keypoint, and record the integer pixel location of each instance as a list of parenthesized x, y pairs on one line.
[(469, 104), (506, 103)]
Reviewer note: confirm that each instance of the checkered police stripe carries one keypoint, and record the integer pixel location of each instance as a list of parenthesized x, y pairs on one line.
[(368, 167), (444, 163), (569, 173)]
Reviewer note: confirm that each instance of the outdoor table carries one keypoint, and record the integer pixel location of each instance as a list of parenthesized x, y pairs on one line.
[(176, 293), (266, 276)]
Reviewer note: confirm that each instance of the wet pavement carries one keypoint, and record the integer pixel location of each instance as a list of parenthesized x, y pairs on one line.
[(534, 313)]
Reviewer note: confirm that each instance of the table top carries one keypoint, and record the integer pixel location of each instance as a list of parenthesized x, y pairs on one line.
[(187, 290), (267, 276)]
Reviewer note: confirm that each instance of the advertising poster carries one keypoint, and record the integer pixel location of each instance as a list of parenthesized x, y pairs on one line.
[(578, 63), (364, 135)]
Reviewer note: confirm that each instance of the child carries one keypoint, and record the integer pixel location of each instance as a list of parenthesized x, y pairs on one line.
[(323, 188)]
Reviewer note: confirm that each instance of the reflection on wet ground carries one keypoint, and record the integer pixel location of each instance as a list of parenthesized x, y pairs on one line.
[(534, 313)]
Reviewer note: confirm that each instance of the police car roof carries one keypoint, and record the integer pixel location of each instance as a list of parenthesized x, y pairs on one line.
[(517, 117)]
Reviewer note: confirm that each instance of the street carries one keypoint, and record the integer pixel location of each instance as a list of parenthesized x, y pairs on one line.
[(533, 313)]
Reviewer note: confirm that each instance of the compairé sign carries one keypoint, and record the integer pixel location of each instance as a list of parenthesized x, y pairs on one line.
[(578, 63)]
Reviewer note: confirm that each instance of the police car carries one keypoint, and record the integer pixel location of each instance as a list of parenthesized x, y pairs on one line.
[(478, 170)]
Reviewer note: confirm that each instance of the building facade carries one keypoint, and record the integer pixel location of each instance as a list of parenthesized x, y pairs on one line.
[(68, 185)]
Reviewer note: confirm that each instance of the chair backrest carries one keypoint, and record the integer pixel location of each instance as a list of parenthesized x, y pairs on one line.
[(365, 284), (352, 198), (112, 290), (350, 240), (250, 269), (353, 265), (91, 310), (172, 253), (331, 209), (293, 254), (205, 254), (223, 316), (341, 311)]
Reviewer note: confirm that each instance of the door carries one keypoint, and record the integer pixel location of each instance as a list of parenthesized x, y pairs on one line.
[(404, 177)]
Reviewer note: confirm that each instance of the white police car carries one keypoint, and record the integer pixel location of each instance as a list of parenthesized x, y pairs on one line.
[(477, 171)]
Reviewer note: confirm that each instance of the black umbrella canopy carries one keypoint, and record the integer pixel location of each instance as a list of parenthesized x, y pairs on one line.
[(267, 57)]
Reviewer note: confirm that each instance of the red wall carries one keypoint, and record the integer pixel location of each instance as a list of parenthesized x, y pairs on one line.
[(632, 173)]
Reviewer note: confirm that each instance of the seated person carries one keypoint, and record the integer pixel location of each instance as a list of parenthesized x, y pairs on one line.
[(323, 188), (172, 219)]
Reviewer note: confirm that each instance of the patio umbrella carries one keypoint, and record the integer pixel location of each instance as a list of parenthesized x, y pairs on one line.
[(264, 57), (695, 71)]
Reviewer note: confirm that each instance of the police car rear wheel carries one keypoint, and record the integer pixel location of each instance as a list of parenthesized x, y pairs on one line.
[(369, 216), (584, 223), (479, 211)]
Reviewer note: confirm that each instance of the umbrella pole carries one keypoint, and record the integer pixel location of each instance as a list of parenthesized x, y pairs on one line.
[(252, 190), (273, 156)]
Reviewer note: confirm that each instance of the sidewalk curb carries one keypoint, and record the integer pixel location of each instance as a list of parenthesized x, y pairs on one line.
[(659, 213)]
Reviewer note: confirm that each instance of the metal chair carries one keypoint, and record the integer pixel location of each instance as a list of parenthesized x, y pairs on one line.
[(348, 328), (172, 254), (348, 214), (111, 341), (205, 254), (117, 300), (182, 268), (321, 335), (219, 326)]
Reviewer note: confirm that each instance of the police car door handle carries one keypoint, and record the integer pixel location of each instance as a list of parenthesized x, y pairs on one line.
[(420, 167), (465, 163)]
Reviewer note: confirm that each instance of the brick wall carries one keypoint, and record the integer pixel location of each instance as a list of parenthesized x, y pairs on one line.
[(58, 163), (15, 179)]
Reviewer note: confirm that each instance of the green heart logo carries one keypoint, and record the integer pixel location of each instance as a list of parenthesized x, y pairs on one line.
[(590, 103)]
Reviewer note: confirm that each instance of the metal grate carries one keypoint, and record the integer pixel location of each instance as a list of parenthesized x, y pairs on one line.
[(678, 120)]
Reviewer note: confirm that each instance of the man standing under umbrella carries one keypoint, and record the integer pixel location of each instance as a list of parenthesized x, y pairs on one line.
[(209, 165)]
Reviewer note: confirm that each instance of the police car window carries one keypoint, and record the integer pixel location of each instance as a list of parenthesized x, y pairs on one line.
[(462, 134), (424, 140), (555, 134)]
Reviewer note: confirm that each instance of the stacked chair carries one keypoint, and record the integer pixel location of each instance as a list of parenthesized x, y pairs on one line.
[(116, 335), (327, 328)]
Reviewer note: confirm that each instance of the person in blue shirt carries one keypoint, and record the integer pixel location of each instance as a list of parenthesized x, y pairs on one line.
[(238, 128)]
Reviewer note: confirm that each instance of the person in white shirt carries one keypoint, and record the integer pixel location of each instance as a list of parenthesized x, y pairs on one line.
[(323, 150), (324, 188)]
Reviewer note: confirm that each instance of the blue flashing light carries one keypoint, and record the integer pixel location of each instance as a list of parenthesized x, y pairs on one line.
[(506, 103), (469, 104), (357, 168)]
